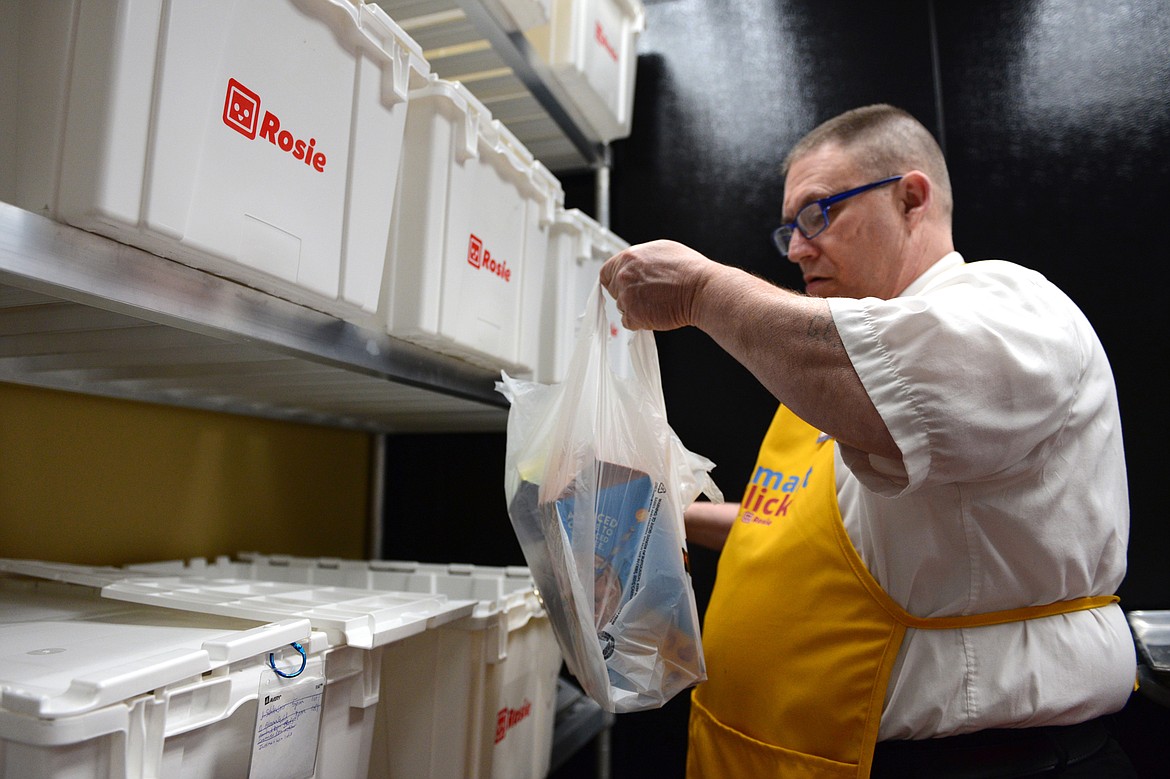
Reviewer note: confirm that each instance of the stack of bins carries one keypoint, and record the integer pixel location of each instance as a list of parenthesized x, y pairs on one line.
[(578, 246), (184, 683), (474, 698), (469, 237), (256, 139)]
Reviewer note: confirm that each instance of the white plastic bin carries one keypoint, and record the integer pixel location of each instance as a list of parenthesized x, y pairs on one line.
[(591, 47), (473, 698), (487, 681), (256, 139), (104, 690), (470, 232), (578, 246), (199, 719)]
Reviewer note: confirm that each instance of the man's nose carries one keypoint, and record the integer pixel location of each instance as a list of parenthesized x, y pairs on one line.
[(799, 247)]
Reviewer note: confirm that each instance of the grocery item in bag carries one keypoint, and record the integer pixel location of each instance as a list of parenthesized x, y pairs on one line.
[(596, 484)]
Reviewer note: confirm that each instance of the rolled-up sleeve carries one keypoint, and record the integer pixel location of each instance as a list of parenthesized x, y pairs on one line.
[(973, 376)]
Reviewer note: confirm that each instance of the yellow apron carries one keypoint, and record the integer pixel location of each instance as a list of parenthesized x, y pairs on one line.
[(799, 637)]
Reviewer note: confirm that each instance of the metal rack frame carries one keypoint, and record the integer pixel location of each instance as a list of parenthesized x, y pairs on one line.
[(477, 42), (518, 55), (84, 313)]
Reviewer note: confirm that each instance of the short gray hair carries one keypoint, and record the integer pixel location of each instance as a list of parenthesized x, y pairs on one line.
[(884, 141)]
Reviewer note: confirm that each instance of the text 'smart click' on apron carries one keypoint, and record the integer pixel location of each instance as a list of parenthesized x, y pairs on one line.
[(799, 637)]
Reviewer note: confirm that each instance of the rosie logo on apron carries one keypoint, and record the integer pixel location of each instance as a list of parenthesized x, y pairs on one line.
[(800, 639)]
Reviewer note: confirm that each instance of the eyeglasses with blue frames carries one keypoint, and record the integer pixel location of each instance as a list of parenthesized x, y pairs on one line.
[(813, 219)]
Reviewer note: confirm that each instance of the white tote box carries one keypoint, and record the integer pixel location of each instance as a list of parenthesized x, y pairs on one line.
[(172, 673), (472, 697), (470, 232), (592, 50), (255, 139), (578, 247)]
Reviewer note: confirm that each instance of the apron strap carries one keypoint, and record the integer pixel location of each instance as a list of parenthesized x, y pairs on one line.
[(967, 620), (1007, 615)]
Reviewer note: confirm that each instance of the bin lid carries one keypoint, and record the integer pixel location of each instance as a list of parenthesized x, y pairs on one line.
[(495, 589), (359, 617), (65, 652)]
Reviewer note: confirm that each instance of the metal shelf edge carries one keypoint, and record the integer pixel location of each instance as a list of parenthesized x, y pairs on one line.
[(45, 256)]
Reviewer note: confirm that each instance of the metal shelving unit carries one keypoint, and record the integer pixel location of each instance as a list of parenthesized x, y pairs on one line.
[(84, 313)]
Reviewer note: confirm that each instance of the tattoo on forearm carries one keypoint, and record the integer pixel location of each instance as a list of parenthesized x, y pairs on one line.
[(822, 328)]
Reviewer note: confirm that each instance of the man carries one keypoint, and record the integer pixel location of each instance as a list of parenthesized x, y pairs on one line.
[(924, 556)]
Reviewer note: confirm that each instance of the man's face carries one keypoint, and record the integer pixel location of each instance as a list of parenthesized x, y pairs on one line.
[(860, 254)]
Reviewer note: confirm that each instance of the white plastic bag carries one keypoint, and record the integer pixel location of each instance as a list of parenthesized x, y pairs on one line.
[(596, 483)]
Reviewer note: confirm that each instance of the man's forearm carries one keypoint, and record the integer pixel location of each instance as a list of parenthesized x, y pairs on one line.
[(708, 524), (791, 345)]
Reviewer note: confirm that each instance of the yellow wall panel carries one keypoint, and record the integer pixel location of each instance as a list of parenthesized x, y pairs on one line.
[(99, 481)]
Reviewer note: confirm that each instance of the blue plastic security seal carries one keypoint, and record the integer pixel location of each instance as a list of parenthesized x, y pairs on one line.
[(299, 671)]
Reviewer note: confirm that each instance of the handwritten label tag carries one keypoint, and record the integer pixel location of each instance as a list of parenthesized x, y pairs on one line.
[(288, 722)]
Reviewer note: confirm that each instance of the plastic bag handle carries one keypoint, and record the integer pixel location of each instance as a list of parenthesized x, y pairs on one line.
[(591, 353), (642, 348), (644, 360)]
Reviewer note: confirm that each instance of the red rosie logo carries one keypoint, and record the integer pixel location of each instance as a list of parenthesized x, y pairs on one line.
[(507, 718), (241, 112), (479, 257), (599, 36)]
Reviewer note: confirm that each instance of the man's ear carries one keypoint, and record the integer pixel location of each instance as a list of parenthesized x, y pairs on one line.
[(917, 194)]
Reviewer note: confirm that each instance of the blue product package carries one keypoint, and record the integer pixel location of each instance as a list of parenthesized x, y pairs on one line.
[(625, 510)]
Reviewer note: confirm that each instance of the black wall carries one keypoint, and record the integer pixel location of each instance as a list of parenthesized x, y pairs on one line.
[(1055, 118)]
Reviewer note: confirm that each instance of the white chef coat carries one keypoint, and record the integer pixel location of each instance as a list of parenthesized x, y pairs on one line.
[(1011, 492)]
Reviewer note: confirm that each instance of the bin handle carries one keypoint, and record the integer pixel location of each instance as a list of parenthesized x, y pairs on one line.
[(399, 56), (467, 145), (299, 671)]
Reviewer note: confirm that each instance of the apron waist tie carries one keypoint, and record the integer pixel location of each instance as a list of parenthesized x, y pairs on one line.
[(991, 753)]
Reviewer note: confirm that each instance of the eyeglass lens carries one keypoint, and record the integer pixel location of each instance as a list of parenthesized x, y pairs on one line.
[(811, 221)]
